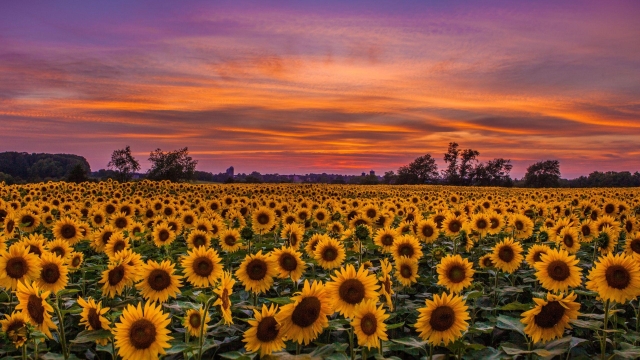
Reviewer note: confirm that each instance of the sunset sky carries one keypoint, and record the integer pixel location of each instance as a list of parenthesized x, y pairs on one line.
[(324, 86)]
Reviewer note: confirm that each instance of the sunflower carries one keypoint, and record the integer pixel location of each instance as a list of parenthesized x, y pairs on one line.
[(349, 288), (632, 245), (33, 303), (321, 216), (117, 275), (406, 270), (406, 245), (385, 237), (121, 221), (163, 235), (53, 273), (304, 319), (535, 252), (28, 221), (188, 219), (293, 233), (192, 321), (485, 261), (60, 248), (480, 223), (557, 270), (606, 240), (386, 285), (230, 240), (288, 263), (224, 291), (264, 333), (142, 333), (521, 226), (569, 240), (443, 319), (368, 324), (329, 253), (630, 225), (615, 278), (256, 272), (75, 260), (202, 266), (68, 230), (117, 243), (35, 243), (496, 223), (97, 217), (10, 224), (262, 220), (159, 281), (92, 317), (18, 266), (101, 237), (507, 255), (427, 230), (335, 228), (312, 243), (550, 317), (198, 238), (452, 224), (15, 327), (455, 273), (587, 230)]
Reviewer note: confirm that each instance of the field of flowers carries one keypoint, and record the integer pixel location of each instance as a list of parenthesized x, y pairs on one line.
[(147, 270)]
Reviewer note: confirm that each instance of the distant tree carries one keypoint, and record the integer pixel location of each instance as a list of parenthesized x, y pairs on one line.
[(339, 180), (494, 173), (369, 180), (124, 164), (422, 170), (460, 165), (543, 174), (389, 177), (450, 174), (467, 160), (174, 165), (78, 174)]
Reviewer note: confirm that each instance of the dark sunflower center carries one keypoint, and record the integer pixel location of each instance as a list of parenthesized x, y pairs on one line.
[(456, 274), (263, 219), (10, 225), (119, 246), (159, 280), (121, 223), (481, 224), (487, 262), (427, 231), (538, 256), (519, 225), (635, 245), (149, 213), (203, 266), (225, 299), (35, 250), (371, 213), (106, 236), (506, 254), (188, 219), (27, 220), (329, 253), (97, 219), (116, 275), (494, 223), (352, 291), (387, 240), (387, 285), (558, 270), (610, 208), (75, 261), (267, 329), (59, 251), (68, 231), (257, 269), (406, 271), (94, 319), (288, 262), (15, 325), (142, 334), (195, 320), (320, 216), (454, 226), (568, 240), (35, 308), (199, 240), (369, 324), (586, 230), (230, 240), (618, 277), (163, 235), (110, 209), (550, 315), (17, 267), (405, 250), (50, 273), (306, 312), (442, 318)]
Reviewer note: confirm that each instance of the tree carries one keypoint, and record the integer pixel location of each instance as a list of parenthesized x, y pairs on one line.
[(450, 175), (78, 174), (543, 174), (389, 177), (124, 164), (420, 171), (494, 173), (174, 165), (460, 165)]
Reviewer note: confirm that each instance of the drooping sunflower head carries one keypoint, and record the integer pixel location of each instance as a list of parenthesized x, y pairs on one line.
[(15, 327), (507, 255), (224, 291), (443, 319), (455, 273), (550, 317)]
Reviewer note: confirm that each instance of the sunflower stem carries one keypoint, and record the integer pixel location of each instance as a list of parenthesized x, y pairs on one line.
[(10, 301), (203, 326), (352, 350), (603, 340), (114, 356), (63, 338), (24, 351)]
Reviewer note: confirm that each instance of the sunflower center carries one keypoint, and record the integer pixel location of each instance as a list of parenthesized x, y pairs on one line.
[(320, 216), (230, 240), (203, 266), (387, 240), (225, 299), (406, 271), (94, 319), (288, 262), (455, 226), (106, 236), (159, 280), (352, 291), (369, 324), (10, 225), (188, 219), (257, 269), (558, 270), (97, 219), (68, 231), (27, 220), (121, 223), (263, 219), (568, 240), (387, 285), (35, 308), (519, 225), (506, 254), (35, 250), (618, 277), (442, 318), (481, 224), (116, 275), (610, 208), (586, 230), (119, 246), (635, 246), (405, 250), (550, 315), (199, 240), (494, 223), (15, 325), (487, 262), (456, 274), (142, 334), (330, 253), (50, 273), (163, 235), (306, 312), (75, 261), (195, 321), (538, 256), (267, 329), (371, 213), (17, 267)]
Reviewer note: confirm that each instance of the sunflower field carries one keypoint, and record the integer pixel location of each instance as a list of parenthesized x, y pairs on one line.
[(149, 270)]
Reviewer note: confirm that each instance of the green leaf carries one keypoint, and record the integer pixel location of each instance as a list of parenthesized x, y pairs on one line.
[(411, 342), (587, 324), (474, 295), (395, 326), (235, 355), (516, 306), (91, 335), (280, 300), (510, 323)]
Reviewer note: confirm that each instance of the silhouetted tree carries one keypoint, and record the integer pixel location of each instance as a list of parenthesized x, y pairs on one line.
[(543, 174), (450, 174), (460, 165), (494, 173), (389, 177), (78, 174), (124, 164), (422, 170), (173, 165)]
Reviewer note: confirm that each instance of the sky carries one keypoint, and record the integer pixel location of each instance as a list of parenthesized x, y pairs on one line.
[(324, 86)]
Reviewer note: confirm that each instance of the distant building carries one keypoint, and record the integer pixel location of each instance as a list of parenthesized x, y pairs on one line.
[(364, 174), (372, 173), (230, 171)]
